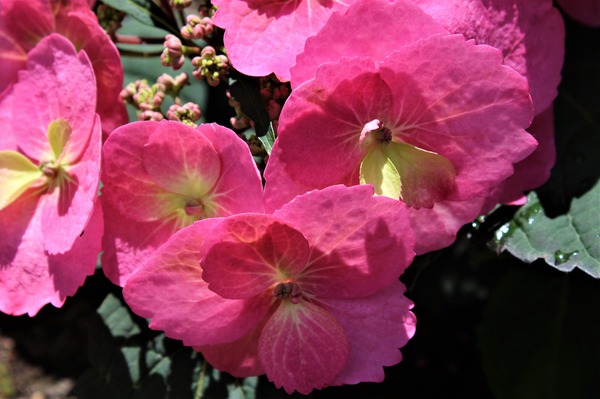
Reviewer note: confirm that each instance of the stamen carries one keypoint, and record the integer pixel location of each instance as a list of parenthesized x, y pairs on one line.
[(288, 290)]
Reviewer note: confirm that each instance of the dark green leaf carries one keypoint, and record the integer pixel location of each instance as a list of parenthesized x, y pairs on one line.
[(245, 90), (129, 362), (117, 318), (539, 337), (145, 11)]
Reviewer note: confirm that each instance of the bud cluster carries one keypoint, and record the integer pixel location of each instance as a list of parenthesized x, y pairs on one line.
[(210, 66), (197, 28), (148, 99)]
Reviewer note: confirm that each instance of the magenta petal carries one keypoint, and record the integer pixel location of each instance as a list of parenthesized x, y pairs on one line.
[(66, 211), (465, 93), (320, 125), (404, 24), (181, 160), (530, 34), (534, 170), (436, 228), (585, 11), (359, 243), (264, 37), (239, 189), (53, 67), (302, 347), (127, 244), (376, 327), (240, 357), (127, 186), (12, 57), (247, 254), (170, 290), (81, 27), (29, 277)]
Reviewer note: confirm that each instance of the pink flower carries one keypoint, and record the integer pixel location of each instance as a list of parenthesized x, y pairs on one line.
[(585, 11), (161, 177), (50, 219), (437, 123), (24, 23), (264, 36), (309, 295)]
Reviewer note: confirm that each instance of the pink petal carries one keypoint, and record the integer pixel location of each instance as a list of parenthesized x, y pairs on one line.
[(264, 37), (436, 228), (400, 22), (170, 290), (80, 25), (181, 160), (585, 11), (12, 57), (127, 186), (29, 277), (363, 244), (530, 34), (240, 357), (448, 94), (16, 17), (376, 327), (302, 347), (127, 244), (247, 254), (326, 114), (53, 67), (66, 211), (239, 189)]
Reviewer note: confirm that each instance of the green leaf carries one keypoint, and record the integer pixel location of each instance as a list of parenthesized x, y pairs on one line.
[(539, 337), (268, 139), (568, 241), (145, 11), (245, 90)]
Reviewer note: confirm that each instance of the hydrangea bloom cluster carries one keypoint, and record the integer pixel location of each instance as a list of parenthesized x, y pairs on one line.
[(386, 146), (49, 173)]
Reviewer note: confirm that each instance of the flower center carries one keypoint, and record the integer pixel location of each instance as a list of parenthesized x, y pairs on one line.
[(288, 290), (194, 208)]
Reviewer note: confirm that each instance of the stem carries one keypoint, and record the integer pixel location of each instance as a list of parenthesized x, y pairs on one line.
[(139, 54), (126, 39), (199, 388)]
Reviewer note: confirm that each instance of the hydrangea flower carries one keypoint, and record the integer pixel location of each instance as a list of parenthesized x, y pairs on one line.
[(309, 295), (162, 176), (264, 36), (50, 219), (24, 23), (437, 123)]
